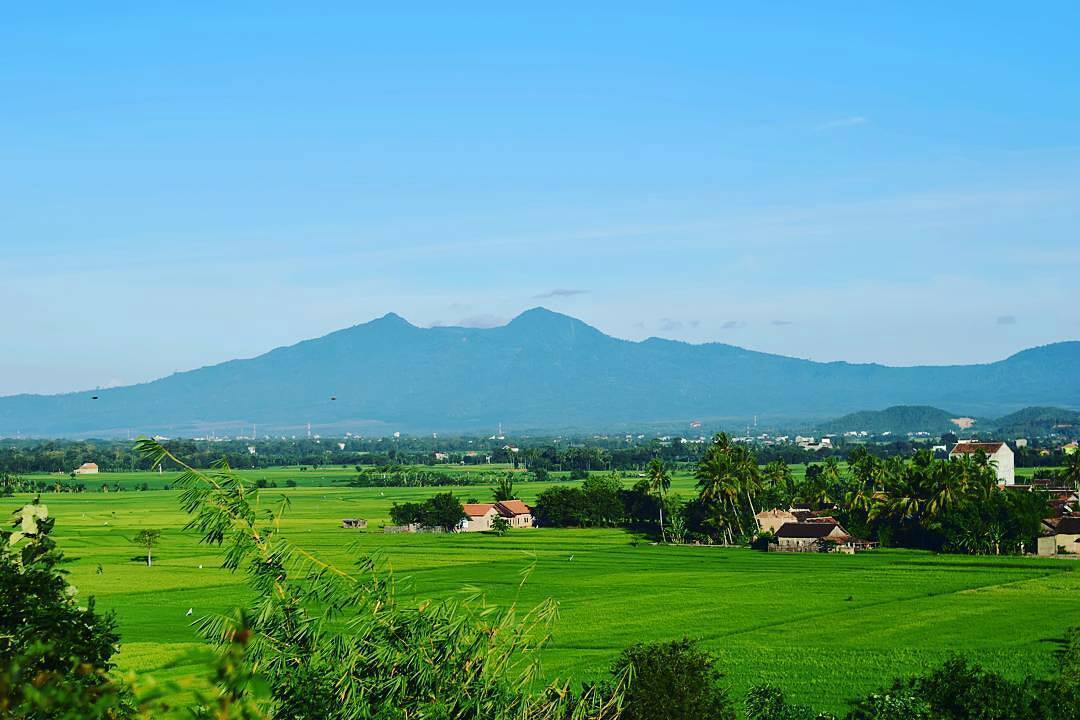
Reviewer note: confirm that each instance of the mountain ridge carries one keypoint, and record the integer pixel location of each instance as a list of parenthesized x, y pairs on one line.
[(542, 370)]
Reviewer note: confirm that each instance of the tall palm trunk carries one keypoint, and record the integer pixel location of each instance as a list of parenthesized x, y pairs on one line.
[(663, 539)]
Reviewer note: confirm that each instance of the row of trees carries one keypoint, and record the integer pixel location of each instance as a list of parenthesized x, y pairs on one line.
[(921, 502)]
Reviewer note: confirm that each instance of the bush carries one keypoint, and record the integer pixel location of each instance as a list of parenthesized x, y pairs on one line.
[(674, 681), (54, 655), (767, 702)]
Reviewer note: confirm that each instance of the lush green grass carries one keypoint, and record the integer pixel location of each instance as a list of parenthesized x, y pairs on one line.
[(825, 628)]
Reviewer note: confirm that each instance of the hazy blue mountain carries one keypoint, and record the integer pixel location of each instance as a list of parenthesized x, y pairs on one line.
[(899, 420), (543, 370)]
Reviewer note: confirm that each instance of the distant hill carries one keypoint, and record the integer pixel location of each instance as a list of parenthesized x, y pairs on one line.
[(541, 371), (900, 420), (1035, 421)]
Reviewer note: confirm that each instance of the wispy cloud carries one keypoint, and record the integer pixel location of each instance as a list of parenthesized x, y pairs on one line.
[(1006, 320), (781, 323), (559, 292), (733, 325), (844, 122), (670, 325)]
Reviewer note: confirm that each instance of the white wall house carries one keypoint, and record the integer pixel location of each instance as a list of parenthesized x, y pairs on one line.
[(998, 452)]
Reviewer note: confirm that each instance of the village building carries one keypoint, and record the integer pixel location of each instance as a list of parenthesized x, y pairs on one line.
[(480, 516), (772, 520), (1000, 454), (517, 513), (1060, 535), (354, 523), (795, 536), (88, 468)]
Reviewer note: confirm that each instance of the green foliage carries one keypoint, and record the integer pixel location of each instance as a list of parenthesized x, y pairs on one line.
[(147, 538), (500, 525), (439, 511), (767, 702), (672, 680), (504, 488), (363, 654), (54, 655), (892, 706), (597, 503), (728, 477)]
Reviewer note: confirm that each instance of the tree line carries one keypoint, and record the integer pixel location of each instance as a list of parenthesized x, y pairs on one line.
[(918, 502)]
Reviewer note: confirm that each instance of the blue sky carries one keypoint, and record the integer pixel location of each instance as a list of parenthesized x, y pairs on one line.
[(181, 185)]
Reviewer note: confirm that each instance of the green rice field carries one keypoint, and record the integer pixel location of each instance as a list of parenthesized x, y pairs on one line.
[(823, 627)]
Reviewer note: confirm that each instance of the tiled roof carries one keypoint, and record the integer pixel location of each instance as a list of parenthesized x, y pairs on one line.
[(477, 509), (966, 448), (512, 507), (806, 530)]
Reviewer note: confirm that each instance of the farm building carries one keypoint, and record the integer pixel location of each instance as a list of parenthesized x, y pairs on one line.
[(795, 536), (1060, 534), (1000, 454), (773, 520), (354, 523), (88, 468), (479, 516), (516, 512)]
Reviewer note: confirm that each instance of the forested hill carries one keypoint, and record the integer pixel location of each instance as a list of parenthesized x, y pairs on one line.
[(899, 419), (541, 371)]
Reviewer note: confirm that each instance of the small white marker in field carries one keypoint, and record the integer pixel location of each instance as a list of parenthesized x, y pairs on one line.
[(189, 611)]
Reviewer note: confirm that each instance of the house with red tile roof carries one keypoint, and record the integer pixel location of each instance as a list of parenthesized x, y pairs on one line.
[(999, 454), (479, 516)]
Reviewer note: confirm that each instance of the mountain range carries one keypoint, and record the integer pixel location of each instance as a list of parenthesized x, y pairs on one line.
[(543, 371)]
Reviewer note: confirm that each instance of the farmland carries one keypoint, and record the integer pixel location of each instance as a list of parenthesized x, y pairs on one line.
[(824, 627)]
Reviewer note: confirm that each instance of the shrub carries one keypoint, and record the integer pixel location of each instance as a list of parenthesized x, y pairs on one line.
[(675, 681), (54, 655)]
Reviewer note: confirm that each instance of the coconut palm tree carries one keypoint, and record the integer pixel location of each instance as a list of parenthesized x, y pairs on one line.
[(659, 482), (778, 475), (746, 469), (1071, 474), (945, 485), (719, 484)]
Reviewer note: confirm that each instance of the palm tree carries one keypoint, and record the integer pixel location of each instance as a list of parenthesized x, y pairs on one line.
[(659, 482), (717, 482), (504, 488), (945, 484), (746, 469), (779, 475), (1071, 475)]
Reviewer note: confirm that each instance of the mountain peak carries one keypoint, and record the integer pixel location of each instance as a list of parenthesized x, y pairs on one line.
[(541, 316), (392, 319)]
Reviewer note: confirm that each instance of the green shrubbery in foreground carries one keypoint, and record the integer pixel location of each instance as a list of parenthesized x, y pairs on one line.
[(322, 641)]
